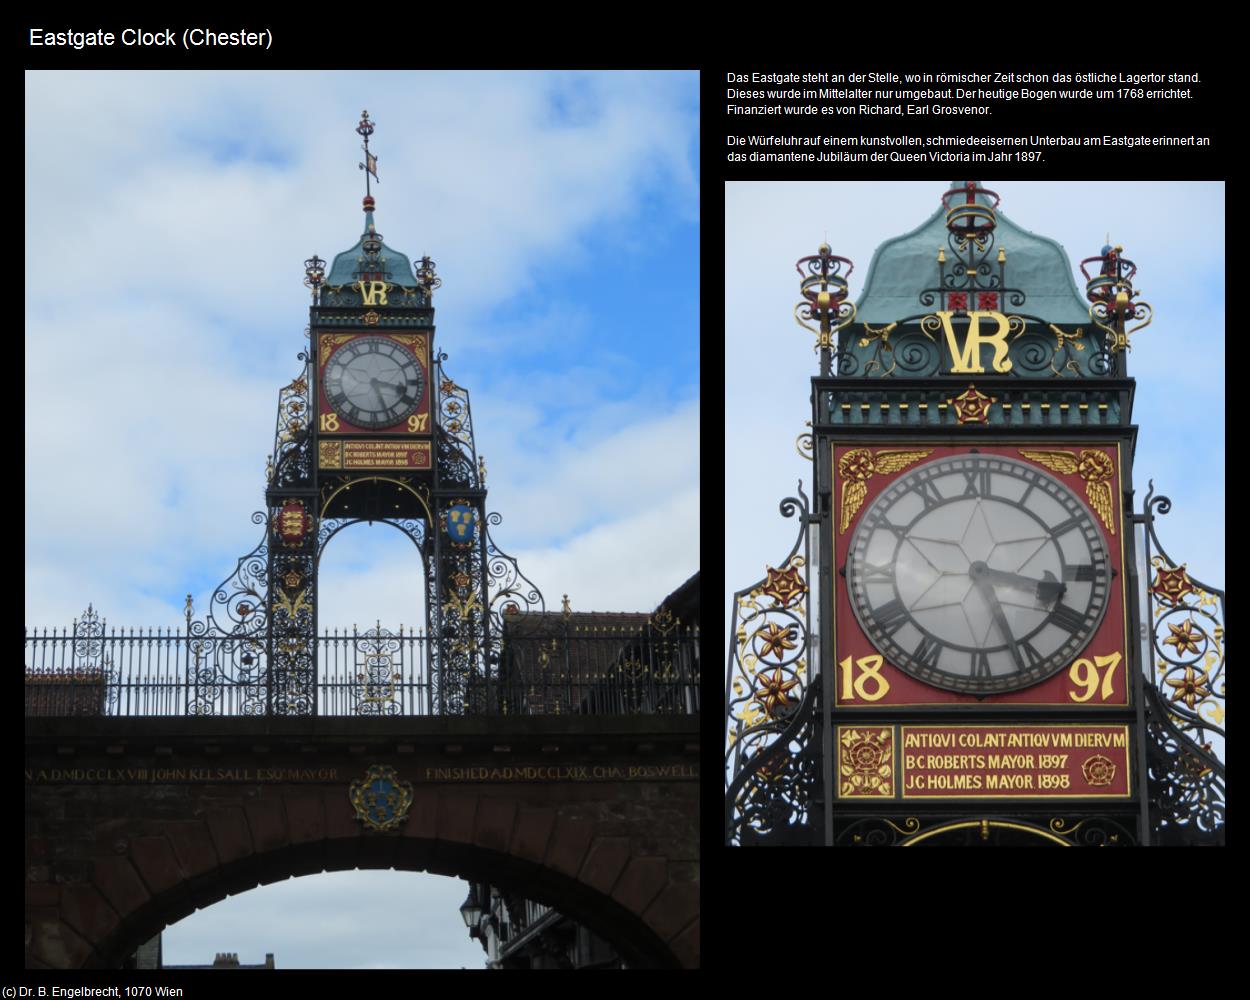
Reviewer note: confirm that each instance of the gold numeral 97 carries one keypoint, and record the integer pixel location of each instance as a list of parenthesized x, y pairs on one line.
[(417, 422), (1085, 675)]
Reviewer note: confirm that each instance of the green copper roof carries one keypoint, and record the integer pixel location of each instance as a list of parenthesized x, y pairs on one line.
[(906, 265), (346, 264)]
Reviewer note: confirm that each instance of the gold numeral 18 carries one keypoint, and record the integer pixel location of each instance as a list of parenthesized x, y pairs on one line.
[(330, 422), (856, 686)]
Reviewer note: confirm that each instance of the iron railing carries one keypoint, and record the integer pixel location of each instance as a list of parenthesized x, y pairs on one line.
[(560, 669)]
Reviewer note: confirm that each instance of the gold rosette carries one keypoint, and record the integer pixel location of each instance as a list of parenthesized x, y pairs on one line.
[(1099, 771)]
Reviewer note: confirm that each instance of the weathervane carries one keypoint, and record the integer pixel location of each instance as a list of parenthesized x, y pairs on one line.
[(370, 166)]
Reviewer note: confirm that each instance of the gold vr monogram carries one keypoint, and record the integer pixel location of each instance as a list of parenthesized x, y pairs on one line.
[(969, 358), (372, 292)]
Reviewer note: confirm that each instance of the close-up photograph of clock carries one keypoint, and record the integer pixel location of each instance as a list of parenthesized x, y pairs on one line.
[(977, 573)]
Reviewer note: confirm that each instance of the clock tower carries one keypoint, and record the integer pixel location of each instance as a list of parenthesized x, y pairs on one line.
[(375, 430), (952, 652)]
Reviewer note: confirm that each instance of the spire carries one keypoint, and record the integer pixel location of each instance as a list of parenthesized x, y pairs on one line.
[(370, 166)]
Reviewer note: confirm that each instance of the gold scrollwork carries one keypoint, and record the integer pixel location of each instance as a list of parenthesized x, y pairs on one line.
[(1062, 338), (805, 444), (883, 334)]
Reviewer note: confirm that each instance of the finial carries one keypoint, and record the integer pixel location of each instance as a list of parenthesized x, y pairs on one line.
[(314, 274), (370, 166), (189, 611), (426, 276), (567, 611), (481, 470)]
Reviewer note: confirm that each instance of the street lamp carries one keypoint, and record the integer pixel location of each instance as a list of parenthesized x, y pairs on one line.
[(471, 910)]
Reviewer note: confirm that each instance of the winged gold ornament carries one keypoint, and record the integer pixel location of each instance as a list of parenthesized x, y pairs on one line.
[(859, 465), (283, 603), (461, 606), (1095, 467)]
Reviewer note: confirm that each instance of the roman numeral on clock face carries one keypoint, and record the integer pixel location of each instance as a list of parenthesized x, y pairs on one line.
[(1067, 618), (1079, 573), (928, 652), (872, 573), (978, 482), (930, 495), (1028, 654), (890, 617), (980, 664)]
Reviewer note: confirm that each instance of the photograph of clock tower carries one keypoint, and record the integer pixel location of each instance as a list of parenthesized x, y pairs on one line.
[(970, 632)]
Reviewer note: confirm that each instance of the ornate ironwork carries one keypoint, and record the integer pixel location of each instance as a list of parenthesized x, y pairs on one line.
[(1111, 295), (769, 801), (85, 685), (377, 682), (427, 277), (314, 275), (1185, 709), (767, 689), (993, 830), (556, 668), (509, 591), (457, 453), (824, 288), (291, 463)]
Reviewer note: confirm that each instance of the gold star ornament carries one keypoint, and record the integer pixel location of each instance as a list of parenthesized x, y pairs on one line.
[(1191, 688), (1183, 637), (776, 640), (773, 691)]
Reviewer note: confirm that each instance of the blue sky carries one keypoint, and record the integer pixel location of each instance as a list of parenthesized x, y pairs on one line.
[(168, 216)]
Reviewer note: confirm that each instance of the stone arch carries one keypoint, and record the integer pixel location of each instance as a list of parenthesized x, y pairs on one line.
[(145, 873)]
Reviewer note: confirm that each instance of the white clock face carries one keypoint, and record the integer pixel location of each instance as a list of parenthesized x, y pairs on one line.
[(373, 382), (978, 573)]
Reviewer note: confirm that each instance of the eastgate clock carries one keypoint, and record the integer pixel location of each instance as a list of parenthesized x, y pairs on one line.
[(978, 573), (373, 382)]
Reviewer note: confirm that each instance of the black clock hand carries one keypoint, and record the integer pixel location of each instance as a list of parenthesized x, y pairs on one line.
[(1000, 619), (1048, 589)]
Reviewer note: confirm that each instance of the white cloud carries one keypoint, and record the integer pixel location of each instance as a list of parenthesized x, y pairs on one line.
[(168, 216)]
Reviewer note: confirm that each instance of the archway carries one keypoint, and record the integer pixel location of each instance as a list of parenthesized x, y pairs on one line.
[(607, 916), (332, 920)]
